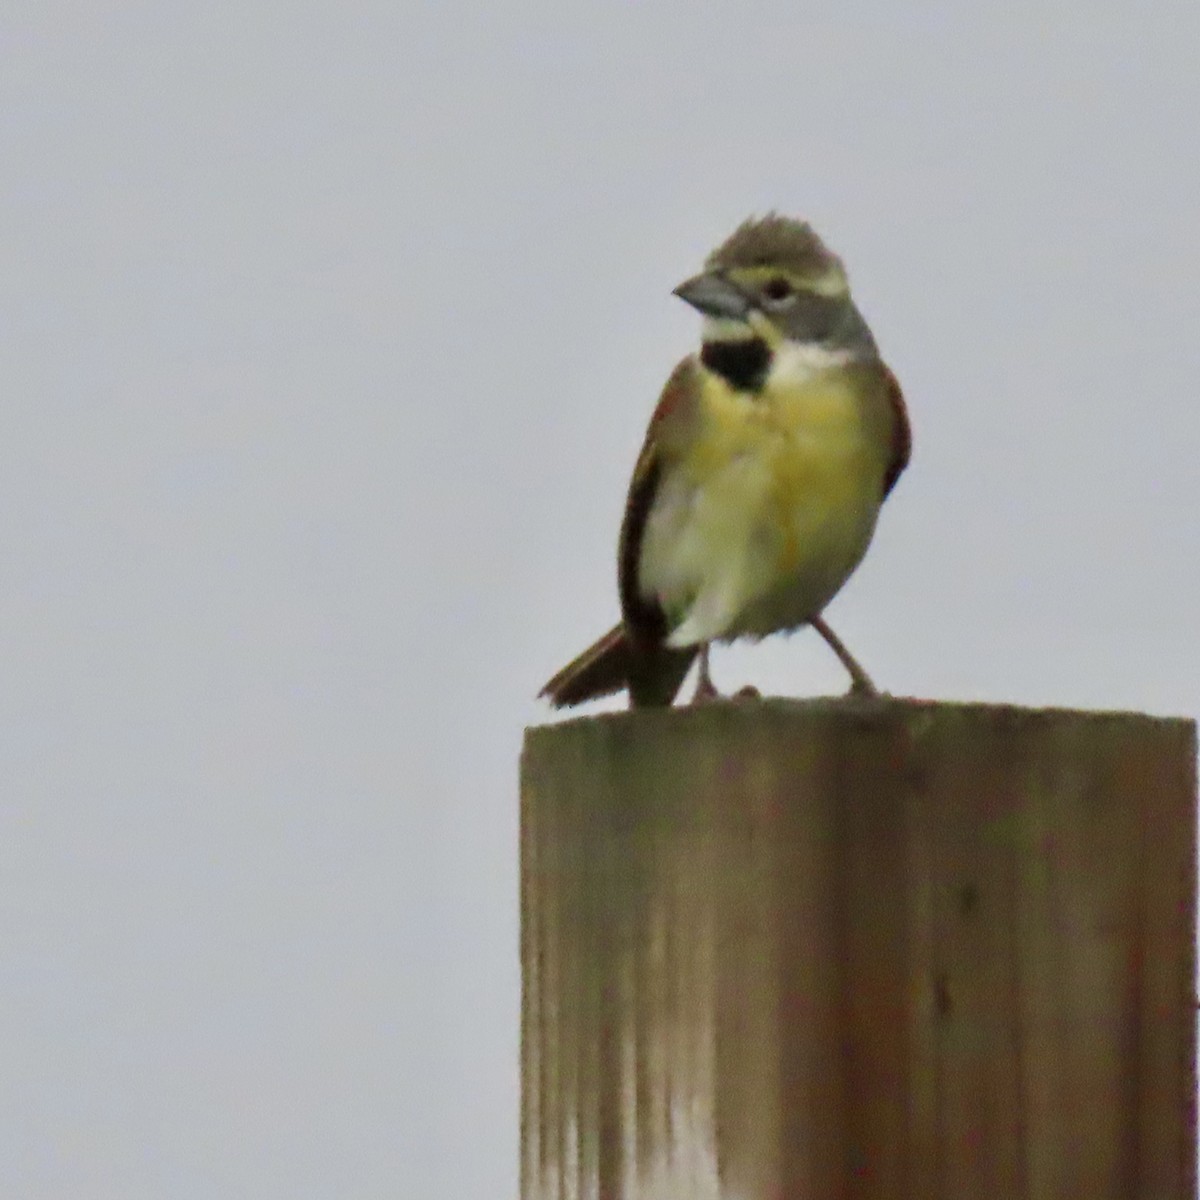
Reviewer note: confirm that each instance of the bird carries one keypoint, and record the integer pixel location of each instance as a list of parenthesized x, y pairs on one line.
[(762, 473)]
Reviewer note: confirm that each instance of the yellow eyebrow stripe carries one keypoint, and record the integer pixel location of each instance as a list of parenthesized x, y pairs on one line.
[(830, 282)]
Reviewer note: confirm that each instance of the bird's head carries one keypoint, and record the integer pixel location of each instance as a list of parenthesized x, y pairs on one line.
[(771, 283)]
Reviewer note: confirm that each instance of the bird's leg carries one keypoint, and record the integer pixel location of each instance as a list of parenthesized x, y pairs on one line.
[(705, 688), (860, 681)]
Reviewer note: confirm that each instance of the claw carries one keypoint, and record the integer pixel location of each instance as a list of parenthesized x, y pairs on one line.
[(863, 689)]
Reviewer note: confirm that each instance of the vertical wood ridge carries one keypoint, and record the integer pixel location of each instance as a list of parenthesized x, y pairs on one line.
[(873, 951)]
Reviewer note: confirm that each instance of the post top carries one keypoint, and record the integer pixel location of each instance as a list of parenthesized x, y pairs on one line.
[(864, 712)]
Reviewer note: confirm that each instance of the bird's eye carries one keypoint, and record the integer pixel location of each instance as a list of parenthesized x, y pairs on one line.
[(777, 289)]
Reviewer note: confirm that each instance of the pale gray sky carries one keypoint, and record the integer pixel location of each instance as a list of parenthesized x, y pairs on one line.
[(327, 336)]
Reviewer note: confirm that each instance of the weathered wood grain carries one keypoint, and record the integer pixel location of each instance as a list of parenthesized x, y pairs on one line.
[(876, 950)]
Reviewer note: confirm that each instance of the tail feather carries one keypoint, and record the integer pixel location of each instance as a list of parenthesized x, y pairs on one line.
[(610, 665), (601, 670)]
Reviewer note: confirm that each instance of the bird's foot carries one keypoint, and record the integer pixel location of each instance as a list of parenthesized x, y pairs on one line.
[(861, 688), (706, 691)]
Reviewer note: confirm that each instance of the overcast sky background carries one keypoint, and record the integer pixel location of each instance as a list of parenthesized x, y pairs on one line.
[(328, 334)]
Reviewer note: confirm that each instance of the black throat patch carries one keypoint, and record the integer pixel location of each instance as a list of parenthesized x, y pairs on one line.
[(742, 364)]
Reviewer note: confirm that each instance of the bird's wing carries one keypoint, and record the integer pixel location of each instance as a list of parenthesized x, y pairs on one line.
[(644, 618), (901, 432)]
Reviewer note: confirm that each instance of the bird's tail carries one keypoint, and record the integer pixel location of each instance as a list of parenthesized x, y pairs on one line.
[(609, 665), (601, 670)]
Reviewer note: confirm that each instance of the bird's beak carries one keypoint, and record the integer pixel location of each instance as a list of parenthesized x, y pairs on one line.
[(714, 296)]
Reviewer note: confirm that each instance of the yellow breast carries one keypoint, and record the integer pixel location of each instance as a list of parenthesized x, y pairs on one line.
[(771, 505), (807, 439)]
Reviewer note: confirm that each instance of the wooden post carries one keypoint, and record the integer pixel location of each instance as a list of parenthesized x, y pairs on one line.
[(786, 950)]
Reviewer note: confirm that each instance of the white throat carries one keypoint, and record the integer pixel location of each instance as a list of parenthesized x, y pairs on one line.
[(797, 362)]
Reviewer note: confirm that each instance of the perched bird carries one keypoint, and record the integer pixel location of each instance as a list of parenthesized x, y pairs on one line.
[(762, 473)]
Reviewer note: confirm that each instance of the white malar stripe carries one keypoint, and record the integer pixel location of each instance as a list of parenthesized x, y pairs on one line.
[(726, 329)]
